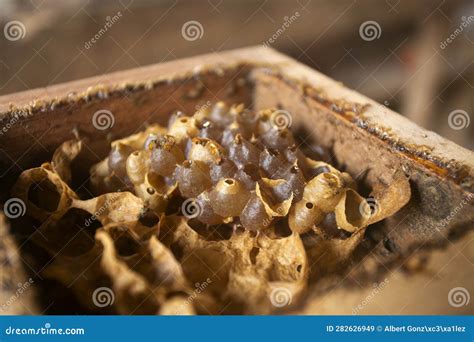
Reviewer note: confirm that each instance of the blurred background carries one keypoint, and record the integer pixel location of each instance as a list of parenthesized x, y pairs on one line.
[(415, 57)]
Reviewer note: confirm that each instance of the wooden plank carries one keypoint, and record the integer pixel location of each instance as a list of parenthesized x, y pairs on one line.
[(407, 135), (132, 94)]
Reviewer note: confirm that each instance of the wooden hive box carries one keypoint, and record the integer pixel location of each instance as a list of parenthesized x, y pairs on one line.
[(419, 253)]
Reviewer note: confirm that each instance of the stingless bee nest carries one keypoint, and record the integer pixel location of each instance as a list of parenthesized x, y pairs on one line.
[(220, 212)]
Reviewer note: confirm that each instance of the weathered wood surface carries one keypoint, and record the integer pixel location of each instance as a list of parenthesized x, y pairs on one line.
[(377, 138), (407, 134)]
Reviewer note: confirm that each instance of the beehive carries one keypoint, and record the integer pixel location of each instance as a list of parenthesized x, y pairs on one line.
[(380, 149)]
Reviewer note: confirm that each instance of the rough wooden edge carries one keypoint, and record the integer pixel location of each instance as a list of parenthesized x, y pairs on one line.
[(136, 78), (435, 153)]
